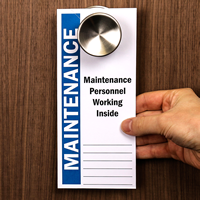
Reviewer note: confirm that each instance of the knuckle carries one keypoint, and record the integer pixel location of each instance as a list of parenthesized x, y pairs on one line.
[(145, 140), (138, 124), (189, 90), (162, 123), (153, 152), (186, 91)]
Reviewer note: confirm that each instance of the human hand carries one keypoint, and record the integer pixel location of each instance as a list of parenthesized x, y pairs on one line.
[(167, 126)]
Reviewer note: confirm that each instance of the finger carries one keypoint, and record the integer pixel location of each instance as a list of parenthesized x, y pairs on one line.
[(150, 139), (150, 101), (139, 126), (149, 113), (153, 151)]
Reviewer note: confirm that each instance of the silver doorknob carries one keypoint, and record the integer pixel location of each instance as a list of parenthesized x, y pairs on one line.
[(99, 34)]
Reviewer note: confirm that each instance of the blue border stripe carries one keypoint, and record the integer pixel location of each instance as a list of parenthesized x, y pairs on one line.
[(72, 173)]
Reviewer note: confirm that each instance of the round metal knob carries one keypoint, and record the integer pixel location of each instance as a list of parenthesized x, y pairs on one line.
[(99, 34)]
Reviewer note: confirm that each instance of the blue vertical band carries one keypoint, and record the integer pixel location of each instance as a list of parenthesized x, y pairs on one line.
[(71, 171)]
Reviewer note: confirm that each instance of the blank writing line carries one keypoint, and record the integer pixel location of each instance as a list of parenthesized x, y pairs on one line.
[(108, 176), (107, 160), (109, 168), (107, 144), (107, 152), (107, 184)]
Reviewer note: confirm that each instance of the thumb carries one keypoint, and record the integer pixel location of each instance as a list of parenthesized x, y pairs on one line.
[(143, 125)]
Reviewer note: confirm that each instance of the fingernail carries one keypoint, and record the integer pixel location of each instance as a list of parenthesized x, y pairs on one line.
[(126, 125)]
